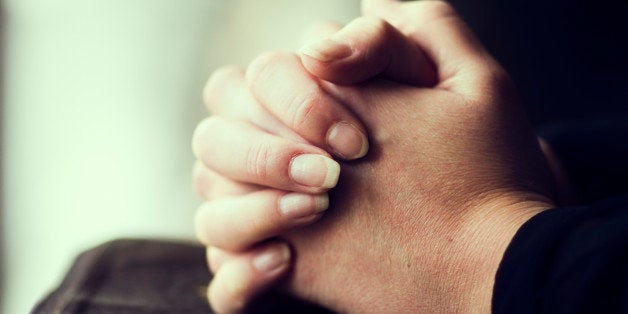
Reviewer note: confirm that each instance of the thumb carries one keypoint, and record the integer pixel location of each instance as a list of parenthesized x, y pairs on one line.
[(436, 27), (365, 48)]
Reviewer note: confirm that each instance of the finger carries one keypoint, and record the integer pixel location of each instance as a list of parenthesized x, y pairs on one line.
[(210, 185), (237, 223), (383, 8), (241, 279), (243, 153), (462, 64), (387, 101), (226, 93), (365, 48), (288, 91), (216, 257), (319, 31)]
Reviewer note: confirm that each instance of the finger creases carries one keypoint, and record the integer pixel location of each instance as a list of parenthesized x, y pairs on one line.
[(227, 94), (237, 223), (211, 185), (244, 153), (282, 85)]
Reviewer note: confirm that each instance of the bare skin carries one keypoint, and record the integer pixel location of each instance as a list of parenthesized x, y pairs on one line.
[(418, 225)]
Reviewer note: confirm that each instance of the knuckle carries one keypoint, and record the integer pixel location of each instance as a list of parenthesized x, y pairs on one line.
[(257, 161), (200, 231), (209, 225), (200, 180), (201, 134), (492, 85), (217, 82), (212, 263), (215, 258), (264, 65), (380, 30), (213, 228), (376, 25), (303, 107), (497, 78)]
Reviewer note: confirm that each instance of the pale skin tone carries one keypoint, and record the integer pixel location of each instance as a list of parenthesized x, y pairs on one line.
[(421, 222)]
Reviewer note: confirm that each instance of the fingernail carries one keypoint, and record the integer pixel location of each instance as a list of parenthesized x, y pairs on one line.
[(315, 171), (296, 205), (327, 50), (272, 259), (347, 141)]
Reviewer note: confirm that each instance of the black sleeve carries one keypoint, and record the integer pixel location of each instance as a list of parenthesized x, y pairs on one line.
[(567, 260)]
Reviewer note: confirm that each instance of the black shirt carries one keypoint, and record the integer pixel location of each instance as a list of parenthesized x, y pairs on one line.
[(567, 260)]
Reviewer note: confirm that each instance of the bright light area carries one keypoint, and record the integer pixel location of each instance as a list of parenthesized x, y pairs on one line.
[(100, 100)]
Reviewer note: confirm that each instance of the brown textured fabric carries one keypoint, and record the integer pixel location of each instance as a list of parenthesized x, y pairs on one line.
[(144, 276)]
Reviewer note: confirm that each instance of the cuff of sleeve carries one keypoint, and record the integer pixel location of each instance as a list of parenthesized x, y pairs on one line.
[(558, 258)]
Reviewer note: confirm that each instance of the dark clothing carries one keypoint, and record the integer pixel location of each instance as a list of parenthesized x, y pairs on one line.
[(569, 260)]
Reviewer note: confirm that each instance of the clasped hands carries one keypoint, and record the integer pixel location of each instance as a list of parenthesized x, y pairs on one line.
[(385, 168)]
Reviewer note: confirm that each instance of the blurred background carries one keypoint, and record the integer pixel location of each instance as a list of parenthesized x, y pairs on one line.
[(99, 101)]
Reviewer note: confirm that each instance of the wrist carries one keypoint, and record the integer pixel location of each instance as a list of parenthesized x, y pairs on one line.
[(485, 235)]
